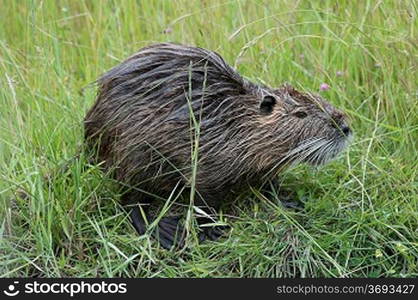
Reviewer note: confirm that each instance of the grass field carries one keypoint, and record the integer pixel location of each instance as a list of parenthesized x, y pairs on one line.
[(361, 211)]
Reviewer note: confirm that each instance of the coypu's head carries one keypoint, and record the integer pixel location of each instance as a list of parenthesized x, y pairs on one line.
[(304, 127)]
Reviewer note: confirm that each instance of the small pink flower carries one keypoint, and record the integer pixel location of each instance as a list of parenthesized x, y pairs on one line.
[(324, 87), (339, 73)]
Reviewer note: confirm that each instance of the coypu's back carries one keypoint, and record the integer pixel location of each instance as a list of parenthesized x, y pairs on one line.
[(164, 78)]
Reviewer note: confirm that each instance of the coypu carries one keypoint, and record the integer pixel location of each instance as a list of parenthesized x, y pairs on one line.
[(143, 127)]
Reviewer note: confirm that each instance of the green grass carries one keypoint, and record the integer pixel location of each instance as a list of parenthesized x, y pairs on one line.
[(361, 211)]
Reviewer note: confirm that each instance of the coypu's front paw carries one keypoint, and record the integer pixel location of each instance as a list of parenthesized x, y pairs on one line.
[(170, 233), (213, 233), (290, 200), (292, 205)]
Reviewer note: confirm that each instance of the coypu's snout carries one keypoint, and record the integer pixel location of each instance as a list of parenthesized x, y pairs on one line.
[(332, 140), (340, 122), (346, 130)]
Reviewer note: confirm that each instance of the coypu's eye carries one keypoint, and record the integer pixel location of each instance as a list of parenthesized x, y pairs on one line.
[(267, 104), (301, 114)]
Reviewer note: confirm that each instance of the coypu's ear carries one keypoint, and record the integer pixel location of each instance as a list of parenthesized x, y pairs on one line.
[(267, 104)]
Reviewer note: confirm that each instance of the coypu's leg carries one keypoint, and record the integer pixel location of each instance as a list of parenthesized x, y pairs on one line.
[(130, 199), (169, 233), (212, 233), (286, 197), (137, 221), (210, 205), (289, 199)]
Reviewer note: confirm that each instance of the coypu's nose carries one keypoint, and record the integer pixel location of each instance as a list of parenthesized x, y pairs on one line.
[(340, 123), (345, 129)]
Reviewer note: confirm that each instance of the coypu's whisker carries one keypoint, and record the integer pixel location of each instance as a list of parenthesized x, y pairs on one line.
[(308, 151), (299, 153)]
